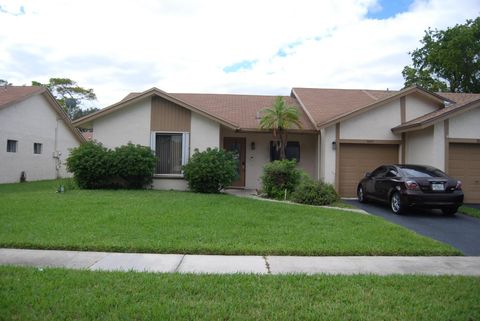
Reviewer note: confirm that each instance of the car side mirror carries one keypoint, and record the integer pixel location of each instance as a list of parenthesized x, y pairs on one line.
[(368, 174)]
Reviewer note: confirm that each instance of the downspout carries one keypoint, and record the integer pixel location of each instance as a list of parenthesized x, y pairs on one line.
[(56, 153)]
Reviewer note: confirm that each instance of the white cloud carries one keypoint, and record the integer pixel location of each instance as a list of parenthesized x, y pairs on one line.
[(120, 46)]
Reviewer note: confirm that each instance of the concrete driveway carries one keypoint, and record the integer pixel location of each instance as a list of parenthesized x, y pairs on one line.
[(460, 231)]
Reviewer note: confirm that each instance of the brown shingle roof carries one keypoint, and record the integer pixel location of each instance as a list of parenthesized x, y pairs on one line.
[(326, 104), (462, 102), (239, 109), (130, 96), (14, 94)]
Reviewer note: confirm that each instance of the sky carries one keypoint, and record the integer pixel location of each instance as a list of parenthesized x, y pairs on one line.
[(261, 47)]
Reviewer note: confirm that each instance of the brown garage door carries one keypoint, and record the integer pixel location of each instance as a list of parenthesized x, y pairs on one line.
[(357, 159), (464, 164)]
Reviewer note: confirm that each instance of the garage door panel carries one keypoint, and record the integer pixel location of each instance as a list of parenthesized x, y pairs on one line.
[(357, 159), (464, 164)]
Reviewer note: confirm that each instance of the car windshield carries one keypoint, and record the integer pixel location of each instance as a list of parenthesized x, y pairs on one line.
[(422, 172)]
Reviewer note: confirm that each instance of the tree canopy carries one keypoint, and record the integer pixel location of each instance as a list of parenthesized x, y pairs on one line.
[(279, 118), (449, 60), (70, 96)]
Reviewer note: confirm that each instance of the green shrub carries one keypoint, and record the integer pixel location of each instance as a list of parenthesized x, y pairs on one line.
[(280, 176), (210, 171), (133, 165), (314, 193), (91, 165), (95, 166)]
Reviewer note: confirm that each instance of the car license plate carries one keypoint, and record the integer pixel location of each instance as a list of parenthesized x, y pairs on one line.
[(437, 187)]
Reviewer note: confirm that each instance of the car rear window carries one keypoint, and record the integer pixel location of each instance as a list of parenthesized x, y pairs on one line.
[(422, 172)]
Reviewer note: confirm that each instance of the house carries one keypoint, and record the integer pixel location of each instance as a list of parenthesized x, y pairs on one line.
[(345, 132), (35, 135)]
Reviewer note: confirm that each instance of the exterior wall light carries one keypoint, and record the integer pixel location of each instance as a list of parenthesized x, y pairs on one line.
[(334, 145), (252, 145)]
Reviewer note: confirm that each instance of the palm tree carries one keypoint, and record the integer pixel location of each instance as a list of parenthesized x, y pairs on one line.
[(279, 118)]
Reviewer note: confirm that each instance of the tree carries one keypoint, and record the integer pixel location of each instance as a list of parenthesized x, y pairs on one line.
[(69, 95), (4, 82), (448, 61), (279, 118)]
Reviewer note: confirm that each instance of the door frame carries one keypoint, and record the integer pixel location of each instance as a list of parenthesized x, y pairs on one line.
[(240, 183)]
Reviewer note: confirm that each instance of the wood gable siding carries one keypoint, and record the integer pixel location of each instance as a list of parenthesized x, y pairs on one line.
[(167, 116)]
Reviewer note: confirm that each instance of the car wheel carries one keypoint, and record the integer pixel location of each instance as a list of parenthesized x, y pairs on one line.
[(449, 211), (361, 194), (396, 203)]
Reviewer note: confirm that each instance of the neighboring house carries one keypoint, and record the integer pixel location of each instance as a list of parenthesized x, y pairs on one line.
[(344, 134), (35, 135)]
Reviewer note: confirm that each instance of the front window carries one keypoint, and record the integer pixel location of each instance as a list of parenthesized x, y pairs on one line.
[(292, 151), (171, 151)]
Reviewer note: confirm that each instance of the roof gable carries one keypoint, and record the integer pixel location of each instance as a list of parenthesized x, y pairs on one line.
[(135, 97), (329, 106), (463, 102), (10, 95)]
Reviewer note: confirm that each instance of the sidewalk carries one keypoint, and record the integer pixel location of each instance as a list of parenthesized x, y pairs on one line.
[(225, 264)]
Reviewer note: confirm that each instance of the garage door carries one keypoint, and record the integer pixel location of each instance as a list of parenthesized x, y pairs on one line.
[(464, 164), (357, 159)]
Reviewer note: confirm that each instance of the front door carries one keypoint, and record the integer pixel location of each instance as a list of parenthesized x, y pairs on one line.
[(237, 146)]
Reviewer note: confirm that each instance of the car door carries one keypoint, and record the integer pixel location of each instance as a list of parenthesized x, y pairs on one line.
[(376, 175), (384, 183)]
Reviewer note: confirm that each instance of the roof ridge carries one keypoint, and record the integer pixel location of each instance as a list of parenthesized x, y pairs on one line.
[(228, 94), (369, 94)]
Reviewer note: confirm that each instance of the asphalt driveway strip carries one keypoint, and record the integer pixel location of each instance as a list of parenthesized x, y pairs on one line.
[(460, 231)]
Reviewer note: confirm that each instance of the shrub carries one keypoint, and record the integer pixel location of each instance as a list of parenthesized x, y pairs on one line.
[(314, 193), (95, 166), (210, 171), (133, 165), (278, 176), (91, 165)]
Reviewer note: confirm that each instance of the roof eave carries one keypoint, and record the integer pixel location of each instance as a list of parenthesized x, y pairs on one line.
[(63, 115)]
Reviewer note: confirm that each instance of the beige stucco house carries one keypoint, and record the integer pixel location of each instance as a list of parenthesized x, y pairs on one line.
[(344, 134), (35, 135)]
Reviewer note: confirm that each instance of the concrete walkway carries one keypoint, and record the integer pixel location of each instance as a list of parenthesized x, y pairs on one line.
[(225, 264)]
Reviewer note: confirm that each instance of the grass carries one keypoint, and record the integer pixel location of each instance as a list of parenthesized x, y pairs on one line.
[(465, 209), (342, 204), (32, 215), (57, 294)]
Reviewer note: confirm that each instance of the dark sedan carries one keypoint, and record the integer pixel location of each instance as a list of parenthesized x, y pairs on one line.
[(407, 186)]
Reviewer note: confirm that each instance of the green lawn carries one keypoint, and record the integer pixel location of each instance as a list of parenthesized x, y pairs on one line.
[(465, 209), (56, 294), (32, 215)]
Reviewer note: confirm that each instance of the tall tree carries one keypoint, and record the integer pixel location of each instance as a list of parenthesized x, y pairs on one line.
[(69, 95), (449, 60), (279, 118)]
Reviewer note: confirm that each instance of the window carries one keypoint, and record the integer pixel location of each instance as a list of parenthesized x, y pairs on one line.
[(292, 151), (37, 148), (11, 146), (391, 173), (421, 171), (171, 150), (379, 172)]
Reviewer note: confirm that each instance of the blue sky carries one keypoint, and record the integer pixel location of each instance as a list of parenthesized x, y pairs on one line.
[(217, 46), (386, 9)]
